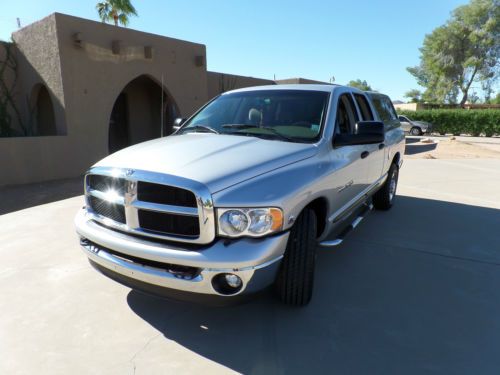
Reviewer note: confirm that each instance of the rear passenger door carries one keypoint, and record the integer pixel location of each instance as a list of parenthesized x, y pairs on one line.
[(375, 159), (393, 134)]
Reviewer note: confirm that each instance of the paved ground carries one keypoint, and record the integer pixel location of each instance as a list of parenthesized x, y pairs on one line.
[(490, 143), (412, 291)]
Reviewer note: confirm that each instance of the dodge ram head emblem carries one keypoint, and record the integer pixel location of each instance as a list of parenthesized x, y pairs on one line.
[(129, 172)]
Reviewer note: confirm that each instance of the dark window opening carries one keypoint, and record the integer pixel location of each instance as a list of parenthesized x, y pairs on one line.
[(139, 114), (43, 112), (346, 115), (364, 107)]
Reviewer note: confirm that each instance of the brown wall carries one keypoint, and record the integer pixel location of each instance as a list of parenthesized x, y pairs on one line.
[(299, 81), (84, 79), (39, 63), (217, 83), (94, 77), (11, 80)]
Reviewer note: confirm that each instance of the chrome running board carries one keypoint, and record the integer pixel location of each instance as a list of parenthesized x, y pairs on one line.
[(348, 229)]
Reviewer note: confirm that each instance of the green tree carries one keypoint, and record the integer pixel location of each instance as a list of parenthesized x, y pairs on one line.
[(359, 84), (117, 11), (414, 95), (464, 50)]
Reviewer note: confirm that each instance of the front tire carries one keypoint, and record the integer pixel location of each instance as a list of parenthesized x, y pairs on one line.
[(384, 198), (294, 284), (415, 131)]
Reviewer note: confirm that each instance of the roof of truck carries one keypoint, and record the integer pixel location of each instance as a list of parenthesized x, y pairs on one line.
[(307, 87)]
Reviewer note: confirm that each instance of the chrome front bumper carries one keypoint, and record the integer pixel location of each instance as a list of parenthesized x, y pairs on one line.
[(255, 261)]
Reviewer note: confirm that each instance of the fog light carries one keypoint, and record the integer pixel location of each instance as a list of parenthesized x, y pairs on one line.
[(232, 280), (227, 283)]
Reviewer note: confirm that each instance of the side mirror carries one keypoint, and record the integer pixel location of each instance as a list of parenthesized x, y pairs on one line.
[(178, 123), (365, 132)]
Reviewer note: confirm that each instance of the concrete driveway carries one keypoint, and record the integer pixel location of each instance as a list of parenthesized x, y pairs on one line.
[(411, 291)]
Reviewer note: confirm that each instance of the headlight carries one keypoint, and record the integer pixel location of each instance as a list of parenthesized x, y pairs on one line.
[(254, 222)]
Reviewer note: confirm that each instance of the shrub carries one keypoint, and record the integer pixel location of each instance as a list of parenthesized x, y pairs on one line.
[(474, 122)]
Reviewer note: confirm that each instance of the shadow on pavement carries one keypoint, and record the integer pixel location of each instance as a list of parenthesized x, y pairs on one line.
[(410, 140), (411, 149), (19, 197), (411, 291)]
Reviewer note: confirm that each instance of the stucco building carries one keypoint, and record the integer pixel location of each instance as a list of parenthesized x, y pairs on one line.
[(83, 89)]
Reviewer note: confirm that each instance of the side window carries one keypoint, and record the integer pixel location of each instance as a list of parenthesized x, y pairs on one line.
[(346, 115), (386, 111), (364, 107), (390, 108)]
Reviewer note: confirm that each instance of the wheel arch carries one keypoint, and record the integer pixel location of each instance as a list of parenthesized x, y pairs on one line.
[(396, 158), (320, 208)]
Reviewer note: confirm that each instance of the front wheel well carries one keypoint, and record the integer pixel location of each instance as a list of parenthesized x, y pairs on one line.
[(396, 159), (319, 206)]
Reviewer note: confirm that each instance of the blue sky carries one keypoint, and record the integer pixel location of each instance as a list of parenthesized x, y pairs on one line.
[(366, 39)]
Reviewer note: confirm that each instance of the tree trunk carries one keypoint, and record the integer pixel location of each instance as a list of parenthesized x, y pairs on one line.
[(464, 99), (115, 17), (465, 90)]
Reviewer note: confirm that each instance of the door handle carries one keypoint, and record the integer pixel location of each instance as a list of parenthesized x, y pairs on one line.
[(364, 154), (381, 146)]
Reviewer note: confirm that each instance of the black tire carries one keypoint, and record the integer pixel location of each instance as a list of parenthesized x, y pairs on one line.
[(384, 198), (294, 284), (415, 131)]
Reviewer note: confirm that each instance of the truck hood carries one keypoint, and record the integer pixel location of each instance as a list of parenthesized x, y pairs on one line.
[(216, 160)]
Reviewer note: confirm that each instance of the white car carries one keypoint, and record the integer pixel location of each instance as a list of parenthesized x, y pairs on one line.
[(414, 127)]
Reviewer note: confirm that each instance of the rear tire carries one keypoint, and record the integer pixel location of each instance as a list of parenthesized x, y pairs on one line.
[(294, 284), (384, 198)]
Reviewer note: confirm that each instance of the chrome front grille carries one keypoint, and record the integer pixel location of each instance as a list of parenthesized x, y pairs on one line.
[(150, 204), (163, 222), (115, 212)]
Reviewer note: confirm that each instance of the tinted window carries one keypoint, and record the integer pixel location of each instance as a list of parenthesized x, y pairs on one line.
[(385, 110), (364, 107), (295, 114), (346, 116)]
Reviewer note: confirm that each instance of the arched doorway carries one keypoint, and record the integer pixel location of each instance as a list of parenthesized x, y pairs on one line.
[(137, 114), (43, 111)]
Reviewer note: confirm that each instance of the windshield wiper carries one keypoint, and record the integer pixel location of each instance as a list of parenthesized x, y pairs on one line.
[(246, 126), (195, 128)]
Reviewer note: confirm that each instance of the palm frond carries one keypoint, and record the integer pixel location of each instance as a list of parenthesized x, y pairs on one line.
[(108, 10), (123, 19)]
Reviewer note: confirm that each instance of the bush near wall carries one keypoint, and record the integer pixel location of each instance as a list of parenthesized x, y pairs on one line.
[(459, 121)]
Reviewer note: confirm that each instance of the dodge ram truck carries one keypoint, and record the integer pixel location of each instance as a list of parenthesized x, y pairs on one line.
[(244, 193)]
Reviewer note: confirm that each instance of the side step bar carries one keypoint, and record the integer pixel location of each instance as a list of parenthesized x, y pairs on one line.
[(348, 229)]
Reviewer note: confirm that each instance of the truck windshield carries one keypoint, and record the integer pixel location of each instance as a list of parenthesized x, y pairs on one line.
[(284, 115)]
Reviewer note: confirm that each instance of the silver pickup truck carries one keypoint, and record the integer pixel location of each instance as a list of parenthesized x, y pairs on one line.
[(244, 193)]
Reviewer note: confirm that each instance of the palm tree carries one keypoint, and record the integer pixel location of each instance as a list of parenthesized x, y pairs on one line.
[(116, 10)]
